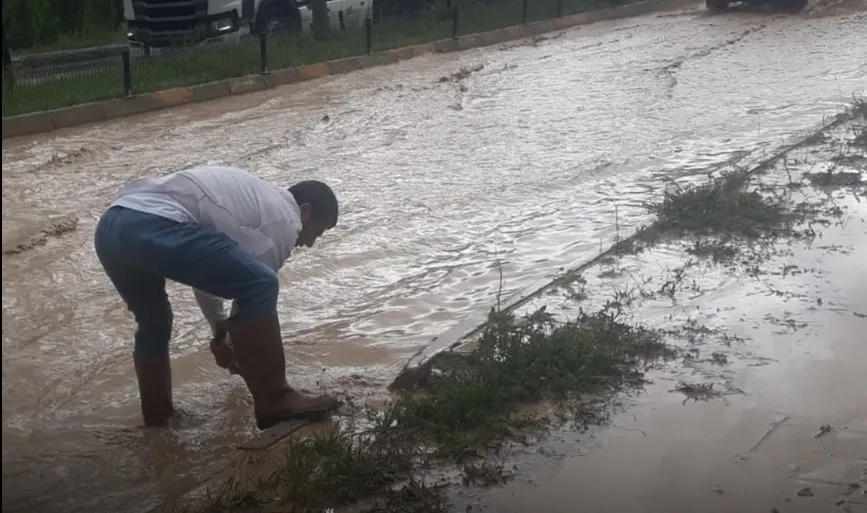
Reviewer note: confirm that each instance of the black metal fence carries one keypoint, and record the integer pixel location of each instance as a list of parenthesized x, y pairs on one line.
[(33, 82)]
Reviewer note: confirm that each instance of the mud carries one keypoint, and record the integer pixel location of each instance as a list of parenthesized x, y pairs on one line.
[(55, 228), (542, 146)]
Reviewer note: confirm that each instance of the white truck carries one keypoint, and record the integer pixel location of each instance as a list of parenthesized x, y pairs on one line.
[(171, 23)]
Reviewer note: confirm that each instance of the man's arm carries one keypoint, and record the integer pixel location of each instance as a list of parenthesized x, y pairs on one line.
[(214, 311)]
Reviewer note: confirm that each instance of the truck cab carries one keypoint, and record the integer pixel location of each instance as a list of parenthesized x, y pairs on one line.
[(164, 23), (171, 23)]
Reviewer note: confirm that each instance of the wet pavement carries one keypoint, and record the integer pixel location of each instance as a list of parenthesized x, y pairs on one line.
[(524, 161)]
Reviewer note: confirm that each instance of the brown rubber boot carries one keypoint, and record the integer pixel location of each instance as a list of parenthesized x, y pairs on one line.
[(155, 388), (223, 353), (261, 362)]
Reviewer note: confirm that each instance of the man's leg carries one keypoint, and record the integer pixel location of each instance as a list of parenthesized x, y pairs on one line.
[(258, 347), (145, 295)]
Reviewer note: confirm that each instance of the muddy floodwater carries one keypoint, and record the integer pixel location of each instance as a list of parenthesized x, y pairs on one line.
[(764, 408), (536, 156)]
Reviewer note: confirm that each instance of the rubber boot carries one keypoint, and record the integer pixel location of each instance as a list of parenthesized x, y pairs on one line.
[(223, 353), (155, 388), (261, 362)]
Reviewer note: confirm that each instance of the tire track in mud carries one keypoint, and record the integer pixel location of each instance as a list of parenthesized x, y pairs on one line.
[(669, 71)]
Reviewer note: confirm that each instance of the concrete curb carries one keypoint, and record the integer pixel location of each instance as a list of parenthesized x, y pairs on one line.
[(46, 121)]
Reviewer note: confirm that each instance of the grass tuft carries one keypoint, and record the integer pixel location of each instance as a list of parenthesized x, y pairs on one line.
[(721, 207), (859, 113), (526, 361)]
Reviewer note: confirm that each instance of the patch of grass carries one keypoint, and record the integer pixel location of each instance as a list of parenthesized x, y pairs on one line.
[(859, 108), (486, 473), (721, 217), (697, 391), (834, 178), (337, 466), (860, 138), (340, 467), (432, 25), (859, 112), (721, 207), (98, 36), (35, 92), (526, 361)]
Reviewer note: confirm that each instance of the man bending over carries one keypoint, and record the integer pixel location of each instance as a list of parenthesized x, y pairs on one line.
[(226, 233)]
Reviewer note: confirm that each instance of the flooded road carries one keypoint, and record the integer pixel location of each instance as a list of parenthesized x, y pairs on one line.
[(523, 161), (765, 410)]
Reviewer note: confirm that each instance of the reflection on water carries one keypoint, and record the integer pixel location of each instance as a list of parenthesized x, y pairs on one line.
[(524, 162)]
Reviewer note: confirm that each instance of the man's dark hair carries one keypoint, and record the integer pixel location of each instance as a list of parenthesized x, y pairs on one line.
[(319, 196)]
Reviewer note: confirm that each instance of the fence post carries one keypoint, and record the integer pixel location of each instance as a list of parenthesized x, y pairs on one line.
[(127, 73), (263, 52), (559, 8), (8, 73), (524, 11), (455, 22), (368, 34), (342, 20)]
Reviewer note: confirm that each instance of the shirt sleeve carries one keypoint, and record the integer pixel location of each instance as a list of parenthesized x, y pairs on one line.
[(213, 308), (271, 259)]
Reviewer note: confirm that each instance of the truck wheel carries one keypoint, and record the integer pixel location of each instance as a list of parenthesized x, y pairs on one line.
[(278, 17), (717, 5)]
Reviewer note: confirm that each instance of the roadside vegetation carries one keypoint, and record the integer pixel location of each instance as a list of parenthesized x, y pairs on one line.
[(28, 88)]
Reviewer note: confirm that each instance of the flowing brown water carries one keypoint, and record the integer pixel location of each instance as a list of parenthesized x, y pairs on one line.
[(524, 160)]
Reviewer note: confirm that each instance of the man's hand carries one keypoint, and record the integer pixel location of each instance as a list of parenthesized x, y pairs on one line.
[(221, 347)]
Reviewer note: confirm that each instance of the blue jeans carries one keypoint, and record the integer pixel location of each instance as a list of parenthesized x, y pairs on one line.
[(140, 251)]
